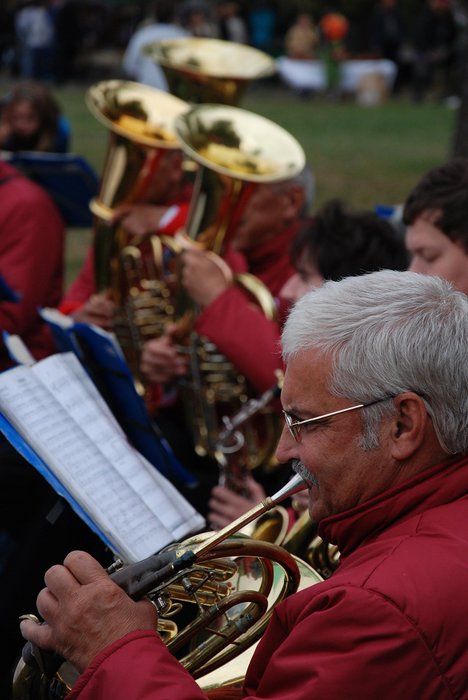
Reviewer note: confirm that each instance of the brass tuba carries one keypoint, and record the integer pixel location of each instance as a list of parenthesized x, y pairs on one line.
[(236, 151), (231, 584), (208, 70), (140, 122)]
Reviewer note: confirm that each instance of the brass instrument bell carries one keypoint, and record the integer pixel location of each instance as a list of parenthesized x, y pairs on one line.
[(233, 147), (140, 122), (205, 70)]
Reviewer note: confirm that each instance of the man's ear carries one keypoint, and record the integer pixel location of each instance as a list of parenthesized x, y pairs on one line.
[(294, 202), (410, 425)]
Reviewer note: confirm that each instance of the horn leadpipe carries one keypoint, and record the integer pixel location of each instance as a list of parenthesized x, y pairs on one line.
[(140, 578), (294, 485)]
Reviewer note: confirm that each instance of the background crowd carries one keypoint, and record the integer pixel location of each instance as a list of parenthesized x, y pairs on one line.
[(56, 40)]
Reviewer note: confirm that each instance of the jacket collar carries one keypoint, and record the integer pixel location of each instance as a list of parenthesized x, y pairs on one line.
[(433, 487), (261, 257), (270, 262)]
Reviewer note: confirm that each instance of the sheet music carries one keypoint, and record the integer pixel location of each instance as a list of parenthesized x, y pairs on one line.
[(82, 445), (180, 516), (68, 382), (101, 356)]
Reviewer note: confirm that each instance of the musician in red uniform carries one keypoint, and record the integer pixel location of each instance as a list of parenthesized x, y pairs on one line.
[(164, 211), (229, 315), (375, 415), (32, 241), (31, 260)]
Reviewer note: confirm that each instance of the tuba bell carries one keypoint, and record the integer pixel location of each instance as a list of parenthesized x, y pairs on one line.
[(232, 585), (208, 70), (140, 122)]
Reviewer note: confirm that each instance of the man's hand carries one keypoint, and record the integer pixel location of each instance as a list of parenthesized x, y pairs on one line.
[(160, 360), (204, 275), (225, 505), (139, 219), (84, 611), (98, 310)]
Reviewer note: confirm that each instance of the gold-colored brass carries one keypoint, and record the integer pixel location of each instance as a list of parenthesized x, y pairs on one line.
[(230, 584), (303, 541), (236, 151), (140, 124), (234, 458), (209, 70)]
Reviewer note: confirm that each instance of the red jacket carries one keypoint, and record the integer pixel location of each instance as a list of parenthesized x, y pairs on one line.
[(31, 260), (237, 326), (390, 623), (84, 284)]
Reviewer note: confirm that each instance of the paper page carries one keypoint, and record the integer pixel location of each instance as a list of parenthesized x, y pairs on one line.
[(57, 317), (66, 379), (17, 349), (180, 517), (81, 465)]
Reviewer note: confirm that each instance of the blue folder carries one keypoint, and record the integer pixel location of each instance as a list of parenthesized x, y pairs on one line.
[(6, 292), (68, 178)]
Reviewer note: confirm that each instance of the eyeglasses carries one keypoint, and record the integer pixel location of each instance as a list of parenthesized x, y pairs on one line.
[(294, 426)]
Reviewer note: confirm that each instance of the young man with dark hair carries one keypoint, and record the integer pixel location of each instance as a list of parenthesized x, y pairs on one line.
[(436, 218)]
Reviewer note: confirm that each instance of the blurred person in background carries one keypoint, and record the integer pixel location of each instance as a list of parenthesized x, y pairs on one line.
[(302, 38), (435, 51), (231, 25), (162, 25), (199, 19), (31, 120), (35, 33), (388, 38)]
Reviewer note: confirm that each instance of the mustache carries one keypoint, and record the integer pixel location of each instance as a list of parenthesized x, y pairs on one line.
[(302, 470)]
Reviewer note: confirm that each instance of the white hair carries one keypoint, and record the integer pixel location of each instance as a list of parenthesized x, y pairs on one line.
[(388, 332)]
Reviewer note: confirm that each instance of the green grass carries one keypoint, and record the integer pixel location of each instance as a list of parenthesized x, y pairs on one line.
[(365, 155)]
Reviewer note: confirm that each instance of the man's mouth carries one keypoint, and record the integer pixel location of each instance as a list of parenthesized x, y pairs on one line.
[(308, 477)]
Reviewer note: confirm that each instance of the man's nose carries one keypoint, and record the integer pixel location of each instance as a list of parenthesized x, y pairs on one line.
[(286, 448)]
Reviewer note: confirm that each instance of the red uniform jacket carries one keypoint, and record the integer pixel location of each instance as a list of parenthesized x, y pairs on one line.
[(31, 260), (237, 326), (390, 623), (84, 285)]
